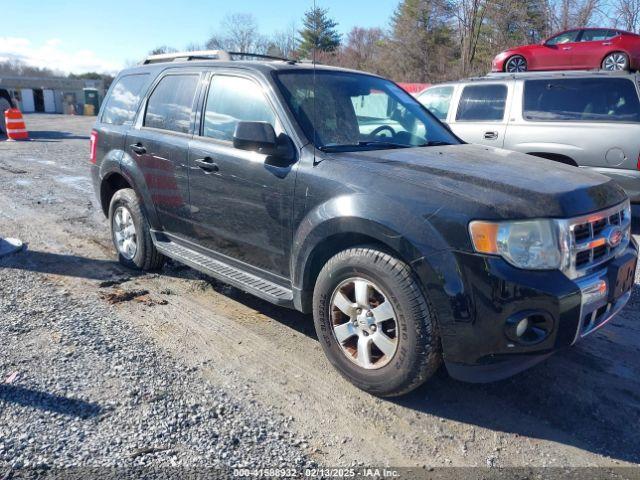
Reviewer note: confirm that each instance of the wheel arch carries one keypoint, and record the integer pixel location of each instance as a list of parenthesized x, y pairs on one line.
[(327, 231), (506, 60), (110, 184), (617, 50), (132, 173), (115, 176), (325, 250)]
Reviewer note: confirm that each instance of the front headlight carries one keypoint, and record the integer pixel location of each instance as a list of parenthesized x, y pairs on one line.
[(528, 244)]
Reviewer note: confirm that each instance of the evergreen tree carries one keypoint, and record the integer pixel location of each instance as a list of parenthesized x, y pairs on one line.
[(319, 33), (421, 48)]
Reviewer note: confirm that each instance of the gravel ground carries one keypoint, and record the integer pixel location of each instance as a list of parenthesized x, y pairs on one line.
[(116, 368), (91, 391)]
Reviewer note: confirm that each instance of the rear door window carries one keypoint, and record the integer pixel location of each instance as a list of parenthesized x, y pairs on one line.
[(232, 100), (122, 104), (597, 34), (171, 104), (581, 99), (482, 103), (437, 101)]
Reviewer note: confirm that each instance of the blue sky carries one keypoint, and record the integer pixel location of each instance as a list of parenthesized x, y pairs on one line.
[(72, 35)]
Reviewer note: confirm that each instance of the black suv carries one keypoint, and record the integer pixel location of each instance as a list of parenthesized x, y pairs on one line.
[(335, 192)]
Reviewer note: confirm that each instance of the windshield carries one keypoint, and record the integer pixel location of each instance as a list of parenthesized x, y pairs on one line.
[(349, 111)]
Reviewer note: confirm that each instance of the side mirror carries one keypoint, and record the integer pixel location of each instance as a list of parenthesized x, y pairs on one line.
[(256, 137), (261, 137)]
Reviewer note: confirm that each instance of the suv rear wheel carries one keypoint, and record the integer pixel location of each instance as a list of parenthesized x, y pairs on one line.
[(130, 233), (374, 322)]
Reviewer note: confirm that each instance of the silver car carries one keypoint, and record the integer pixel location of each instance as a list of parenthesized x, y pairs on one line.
[(587, 119)]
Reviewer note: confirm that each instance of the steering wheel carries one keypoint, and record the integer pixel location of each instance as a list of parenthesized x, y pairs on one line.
[(381, 129)]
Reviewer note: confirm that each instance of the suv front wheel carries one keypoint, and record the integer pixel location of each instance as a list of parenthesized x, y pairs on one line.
[(130, 233), (374, 322)]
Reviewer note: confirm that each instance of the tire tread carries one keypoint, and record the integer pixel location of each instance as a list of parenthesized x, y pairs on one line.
[(151, 259), (429, 355)]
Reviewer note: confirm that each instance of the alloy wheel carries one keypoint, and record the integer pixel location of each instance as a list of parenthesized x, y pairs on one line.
[(364, 323), (516, 64), (615, 62), (124, 230)]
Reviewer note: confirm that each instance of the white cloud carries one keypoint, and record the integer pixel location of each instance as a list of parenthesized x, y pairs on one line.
[(55, 55)]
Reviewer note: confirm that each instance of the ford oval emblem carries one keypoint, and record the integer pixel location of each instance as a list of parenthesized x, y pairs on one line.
[(614, 236)]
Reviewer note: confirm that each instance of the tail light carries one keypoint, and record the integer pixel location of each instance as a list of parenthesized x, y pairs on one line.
[(93, 143), (638, 164)]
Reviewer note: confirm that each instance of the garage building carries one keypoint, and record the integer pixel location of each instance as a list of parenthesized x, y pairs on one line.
[(53, 94)]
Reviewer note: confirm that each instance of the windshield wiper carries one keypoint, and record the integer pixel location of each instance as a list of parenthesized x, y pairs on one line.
[(360, 145), (381, 144), (384, 144), (434, 143)]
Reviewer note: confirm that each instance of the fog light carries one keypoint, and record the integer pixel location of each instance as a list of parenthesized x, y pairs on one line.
[(522, 326), (528, 328)]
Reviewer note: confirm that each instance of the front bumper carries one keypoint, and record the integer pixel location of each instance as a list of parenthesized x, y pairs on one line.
[(485, 348), (497, 65)]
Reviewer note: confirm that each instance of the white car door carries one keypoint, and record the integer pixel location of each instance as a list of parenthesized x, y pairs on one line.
[(28, 103), (481, 112), (49, 101)]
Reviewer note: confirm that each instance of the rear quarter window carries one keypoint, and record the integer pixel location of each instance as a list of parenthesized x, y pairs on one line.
[(122, 104), (581, 99)]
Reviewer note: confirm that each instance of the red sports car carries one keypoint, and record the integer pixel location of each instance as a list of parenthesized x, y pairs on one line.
[(582, 48)]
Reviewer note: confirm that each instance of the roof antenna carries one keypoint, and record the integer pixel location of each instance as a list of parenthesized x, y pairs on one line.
[(313, 60)]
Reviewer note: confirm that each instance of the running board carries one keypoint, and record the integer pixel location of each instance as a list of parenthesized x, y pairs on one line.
[(226, 273)]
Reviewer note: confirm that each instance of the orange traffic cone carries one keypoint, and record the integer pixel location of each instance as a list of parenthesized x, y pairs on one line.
[(16, 129)]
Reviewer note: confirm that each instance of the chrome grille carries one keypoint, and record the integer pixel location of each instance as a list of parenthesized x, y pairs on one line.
[(588, 240)]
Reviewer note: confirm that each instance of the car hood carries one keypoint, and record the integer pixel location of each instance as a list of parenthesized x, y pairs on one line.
[(492, 182), (521, 50)]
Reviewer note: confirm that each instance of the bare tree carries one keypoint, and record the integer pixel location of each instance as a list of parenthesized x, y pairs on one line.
[(566, 14), (162, 49), (20, 68), (470, 15), (362, 50), (627, 14), (284, 43), (194, 47), (239, 33)]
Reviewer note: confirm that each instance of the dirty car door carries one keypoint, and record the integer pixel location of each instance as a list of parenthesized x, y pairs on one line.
[(159, 146), (241, 205)]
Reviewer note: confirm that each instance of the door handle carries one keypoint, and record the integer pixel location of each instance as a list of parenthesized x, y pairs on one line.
[(566, 48), (138, 149), (207, 164), (490, 135), (607, 43)]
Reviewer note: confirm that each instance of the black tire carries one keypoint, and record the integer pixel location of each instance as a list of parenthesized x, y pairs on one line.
[(147, 257), (516, 64), (616, 62), (418, 353)]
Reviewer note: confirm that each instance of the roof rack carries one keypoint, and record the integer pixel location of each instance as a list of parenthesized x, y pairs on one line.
[(187, 56), (220, 55), (549, 73), (261, 56)]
